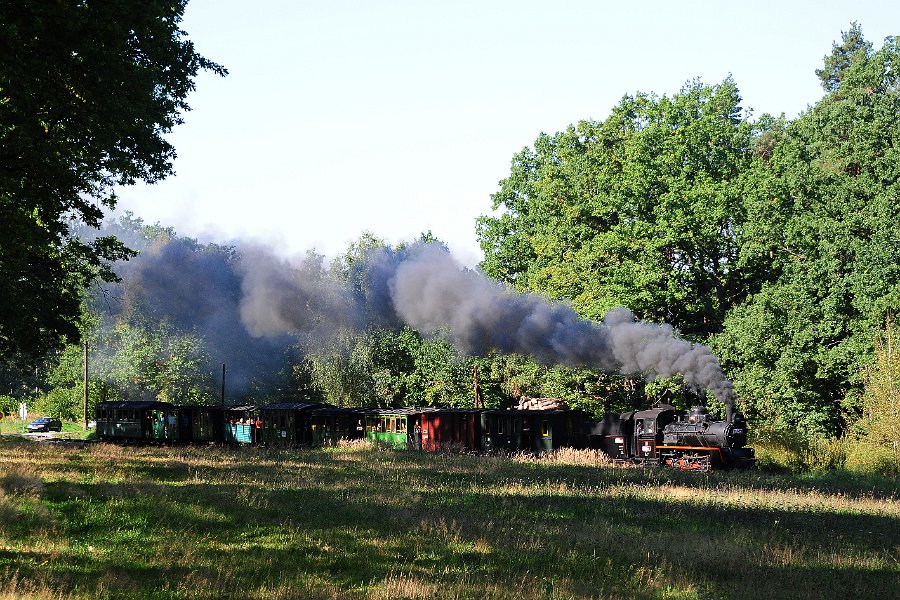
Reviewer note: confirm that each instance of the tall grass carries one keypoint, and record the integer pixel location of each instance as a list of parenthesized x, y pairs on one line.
[(359, 521)]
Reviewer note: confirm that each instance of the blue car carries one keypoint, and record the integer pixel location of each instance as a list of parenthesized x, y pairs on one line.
[(45, 424)]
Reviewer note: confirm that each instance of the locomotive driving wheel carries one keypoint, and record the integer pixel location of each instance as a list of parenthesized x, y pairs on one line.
[(690, 462)]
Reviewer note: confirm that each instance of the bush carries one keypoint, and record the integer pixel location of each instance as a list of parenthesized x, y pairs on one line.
[(63, 402), (9, 405), (865, 457), (876, 445), (787, 449)]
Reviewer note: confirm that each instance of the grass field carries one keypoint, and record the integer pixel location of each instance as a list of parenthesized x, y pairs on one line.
[(12, 425), (361, 522)]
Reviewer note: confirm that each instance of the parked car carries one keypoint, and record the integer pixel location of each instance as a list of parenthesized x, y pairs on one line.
[(45, 424)]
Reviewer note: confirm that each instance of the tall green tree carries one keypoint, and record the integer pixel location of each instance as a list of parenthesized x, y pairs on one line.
[(824, 210), (88, 91), (643, 209)]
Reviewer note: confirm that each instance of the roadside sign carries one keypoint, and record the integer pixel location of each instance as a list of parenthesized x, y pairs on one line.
[(23, 411)]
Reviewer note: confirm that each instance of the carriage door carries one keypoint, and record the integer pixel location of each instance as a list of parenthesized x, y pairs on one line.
[(645, 438)]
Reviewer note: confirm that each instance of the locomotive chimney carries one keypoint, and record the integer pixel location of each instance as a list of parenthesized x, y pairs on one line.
[(729, 411)]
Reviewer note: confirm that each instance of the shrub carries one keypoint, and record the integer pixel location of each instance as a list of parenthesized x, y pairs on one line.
[(876, 444), (9, 405), (866, 457), (787, 449), (63, 402)]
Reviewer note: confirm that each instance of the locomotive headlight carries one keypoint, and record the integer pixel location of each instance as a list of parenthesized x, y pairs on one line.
[(620, 440)]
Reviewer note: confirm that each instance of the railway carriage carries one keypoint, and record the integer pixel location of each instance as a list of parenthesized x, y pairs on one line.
[(531, 430), (443, 429), (330, 424), (200, 423), (132, 420), (395, 427), (240, 424), (285, 423)]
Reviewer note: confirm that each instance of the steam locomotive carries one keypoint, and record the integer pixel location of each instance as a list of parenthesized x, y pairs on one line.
[(661, 435)]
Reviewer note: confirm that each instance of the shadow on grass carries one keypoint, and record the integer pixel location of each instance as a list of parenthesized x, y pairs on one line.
[(220, 523)]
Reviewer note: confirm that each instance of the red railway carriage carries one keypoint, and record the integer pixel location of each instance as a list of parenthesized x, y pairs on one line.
[(450, 429)]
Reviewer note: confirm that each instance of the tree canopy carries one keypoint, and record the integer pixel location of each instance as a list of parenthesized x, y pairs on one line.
[(776, 241), (88, 91), (825, 211), (642, 210)]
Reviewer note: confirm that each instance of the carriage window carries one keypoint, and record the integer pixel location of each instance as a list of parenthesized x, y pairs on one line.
[(401, 425), (545, 428), (500, 428)]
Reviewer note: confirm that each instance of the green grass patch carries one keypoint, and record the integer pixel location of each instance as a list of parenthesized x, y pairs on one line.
[(98, 520), (70, 430)]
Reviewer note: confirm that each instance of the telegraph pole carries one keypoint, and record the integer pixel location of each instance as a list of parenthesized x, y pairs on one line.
[(85, 385), (475, 386)]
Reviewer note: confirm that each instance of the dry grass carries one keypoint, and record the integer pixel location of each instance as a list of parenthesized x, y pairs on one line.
[(357, 521)]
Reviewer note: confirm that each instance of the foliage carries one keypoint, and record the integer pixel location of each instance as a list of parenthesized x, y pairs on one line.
[(87, 93), (780, 447), (879, 428), (773, 241), (63, 402), (157, 363), (641, 210), (823, 209), (8, 405)]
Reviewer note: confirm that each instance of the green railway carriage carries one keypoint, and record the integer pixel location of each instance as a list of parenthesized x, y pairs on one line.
[(395, 427), (133, 420), (164, 423), (531, 430)]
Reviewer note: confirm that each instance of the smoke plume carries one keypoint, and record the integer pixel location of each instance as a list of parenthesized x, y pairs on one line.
[(424, 287)]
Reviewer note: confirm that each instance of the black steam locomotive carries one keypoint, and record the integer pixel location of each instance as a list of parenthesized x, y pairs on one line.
[(663, 435), (660, 435)]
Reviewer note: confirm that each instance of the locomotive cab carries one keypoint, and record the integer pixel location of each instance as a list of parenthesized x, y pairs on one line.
[(648, 431)]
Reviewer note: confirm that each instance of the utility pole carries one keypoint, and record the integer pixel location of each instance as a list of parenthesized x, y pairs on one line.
[(223, 384), (85, 385), (475, 386)]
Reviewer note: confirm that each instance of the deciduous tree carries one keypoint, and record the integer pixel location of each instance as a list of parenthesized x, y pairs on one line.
[(643, 209), (88, 91), (825, 210)]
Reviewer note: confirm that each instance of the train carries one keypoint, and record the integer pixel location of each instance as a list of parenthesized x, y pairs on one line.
[(658, 436)]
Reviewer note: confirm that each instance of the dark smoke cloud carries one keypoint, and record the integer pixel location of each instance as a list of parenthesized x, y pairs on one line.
[(423, 286), (197, 289)]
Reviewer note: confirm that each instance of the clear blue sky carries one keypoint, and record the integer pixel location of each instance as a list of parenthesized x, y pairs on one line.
[(401, 117)]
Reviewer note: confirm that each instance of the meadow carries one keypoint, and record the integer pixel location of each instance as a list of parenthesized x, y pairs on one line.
[(357, 521)]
